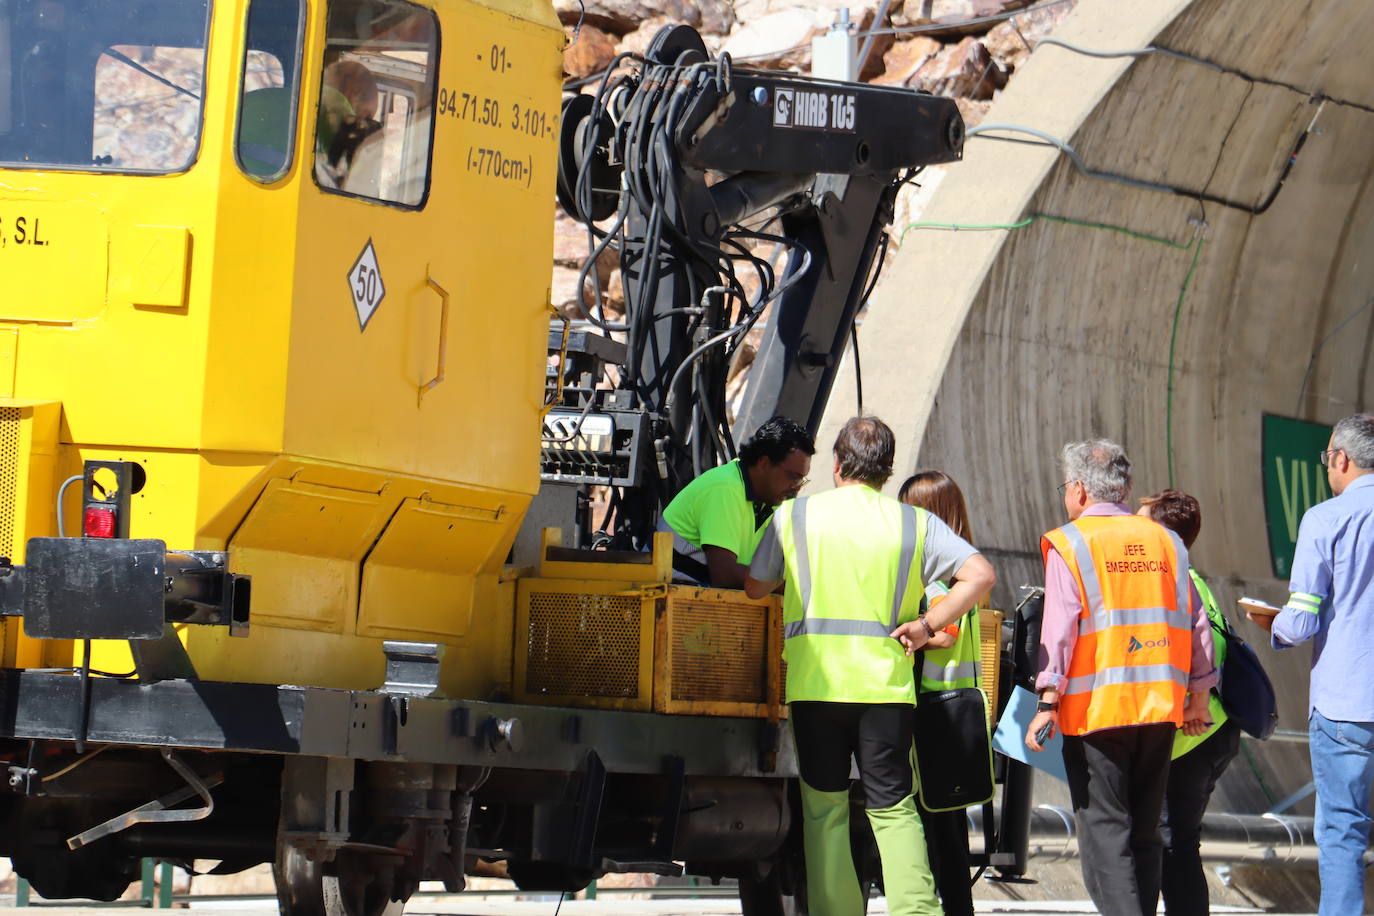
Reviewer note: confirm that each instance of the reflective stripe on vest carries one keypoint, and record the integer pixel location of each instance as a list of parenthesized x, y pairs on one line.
[(829, 626), (1101, 619), (853, 567), (1131, 663), (844, 626), (958, 666), (803, 558), (1127, 674), (948, 677)]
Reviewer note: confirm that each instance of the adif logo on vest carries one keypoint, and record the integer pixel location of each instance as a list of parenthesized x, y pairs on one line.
[(1136, 645)]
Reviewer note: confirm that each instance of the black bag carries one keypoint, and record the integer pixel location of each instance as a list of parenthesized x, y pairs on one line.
[(1025, 640), (1246, 691), (953, 749)]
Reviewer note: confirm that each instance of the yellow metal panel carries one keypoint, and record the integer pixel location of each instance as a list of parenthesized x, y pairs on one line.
[(9, 347), (302, 544), (419, 579), (484, 239), (148, 265), (28, 457), (557, 563), (52, 256), (478, 666)]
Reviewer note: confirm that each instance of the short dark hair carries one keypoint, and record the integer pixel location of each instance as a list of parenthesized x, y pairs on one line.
[(1177, 511), (865, 449), (775, 440)]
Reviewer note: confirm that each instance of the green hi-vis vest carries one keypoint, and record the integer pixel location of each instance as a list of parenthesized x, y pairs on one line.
[(853, 566), (957, 666), (1184, 743)]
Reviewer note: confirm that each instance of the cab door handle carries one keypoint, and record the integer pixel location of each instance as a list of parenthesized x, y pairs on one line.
[(443, 337)]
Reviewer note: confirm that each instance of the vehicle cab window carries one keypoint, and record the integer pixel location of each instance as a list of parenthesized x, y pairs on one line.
[(271, 80), (88, 84), (375, 129)]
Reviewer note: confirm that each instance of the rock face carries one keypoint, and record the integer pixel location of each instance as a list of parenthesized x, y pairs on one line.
[(714, 17), (591, 52), (776, 41), (1013, 40), (965, 70), (904, 60)]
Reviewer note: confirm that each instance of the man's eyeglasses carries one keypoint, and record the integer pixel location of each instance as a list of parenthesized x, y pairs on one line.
[(797, 480), (1064, 486), (1326, 456)]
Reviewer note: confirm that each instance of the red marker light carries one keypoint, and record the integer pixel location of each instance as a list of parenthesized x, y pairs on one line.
[(98, 523)]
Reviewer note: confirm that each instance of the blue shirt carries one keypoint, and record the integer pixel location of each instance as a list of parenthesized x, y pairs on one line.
[(1333, 599)]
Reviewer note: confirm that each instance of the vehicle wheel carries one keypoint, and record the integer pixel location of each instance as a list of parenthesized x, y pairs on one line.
[(305, 889)]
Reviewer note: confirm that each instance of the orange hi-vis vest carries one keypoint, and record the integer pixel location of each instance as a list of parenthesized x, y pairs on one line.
[(1131, 662)]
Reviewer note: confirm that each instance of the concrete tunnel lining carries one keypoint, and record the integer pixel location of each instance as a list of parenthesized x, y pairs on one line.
[(987, 350)]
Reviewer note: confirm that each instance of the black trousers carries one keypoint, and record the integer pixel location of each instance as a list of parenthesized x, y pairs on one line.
[(947, 847), (1117, 779), (1192, 778), (877, 735)]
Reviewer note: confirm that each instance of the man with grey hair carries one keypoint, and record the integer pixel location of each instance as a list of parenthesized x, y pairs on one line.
[(1124, 640), (1332, 599)]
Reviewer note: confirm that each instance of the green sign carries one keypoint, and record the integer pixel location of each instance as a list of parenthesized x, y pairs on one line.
[(1294, 481)]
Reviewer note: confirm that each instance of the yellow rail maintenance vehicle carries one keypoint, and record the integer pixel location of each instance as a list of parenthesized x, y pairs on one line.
[(284, 423)]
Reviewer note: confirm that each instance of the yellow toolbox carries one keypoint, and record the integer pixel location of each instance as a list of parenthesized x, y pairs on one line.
[(611, 631), (990, 657)]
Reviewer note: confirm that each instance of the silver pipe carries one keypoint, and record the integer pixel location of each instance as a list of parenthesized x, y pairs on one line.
[(879, 21), (1288, 734), (1240, 839)]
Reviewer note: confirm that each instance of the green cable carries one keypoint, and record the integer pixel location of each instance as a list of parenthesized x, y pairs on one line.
[(1173, 341), (1254, 768), (1195, 245), (1035, 217)]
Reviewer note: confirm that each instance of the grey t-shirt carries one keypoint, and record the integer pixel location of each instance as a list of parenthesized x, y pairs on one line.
[(944, 552)]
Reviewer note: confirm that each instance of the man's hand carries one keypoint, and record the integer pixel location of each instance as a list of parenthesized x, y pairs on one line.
[(1196, 715), (912, 635), (724, 567), (942, 639), (1049, 717), (757, 589), (1266, 621)]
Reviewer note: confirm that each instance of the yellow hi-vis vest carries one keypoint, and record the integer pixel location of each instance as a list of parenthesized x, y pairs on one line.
[(853, 561), (957, 666), (1134, 651)]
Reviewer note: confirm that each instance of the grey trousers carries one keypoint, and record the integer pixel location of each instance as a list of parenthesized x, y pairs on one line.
[(1117, 779)]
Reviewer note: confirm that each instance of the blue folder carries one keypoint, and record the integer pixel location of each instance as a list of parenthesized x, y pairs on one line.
[(1010, 738)]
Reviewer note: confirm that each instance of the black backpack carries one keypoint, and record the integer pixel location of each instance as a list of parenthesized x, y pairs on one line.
[(1246, 691)]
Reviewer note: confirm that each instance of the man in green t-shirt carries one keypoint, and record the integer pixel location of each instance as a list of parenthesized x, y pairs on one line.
[(718, 518)]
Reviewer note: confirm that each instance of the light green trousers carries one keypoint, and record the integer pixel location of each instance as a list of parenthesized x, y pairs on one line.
[(832, 885)]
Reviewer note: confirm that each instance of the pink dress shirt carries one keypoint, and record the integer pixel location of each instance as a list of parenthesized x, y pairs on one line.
[(1059, 622)]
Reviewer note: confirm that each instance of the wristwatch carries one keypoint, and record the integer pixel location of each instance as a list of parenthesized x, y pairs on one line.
[(930, 634), (1042, 706)]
